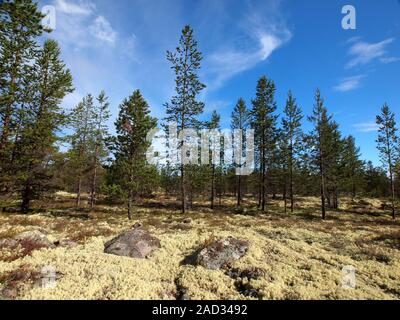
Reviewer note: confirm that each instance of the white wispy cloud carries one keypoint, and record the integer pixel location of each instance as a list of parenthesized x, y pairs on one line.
[(349, 83), (366, 127), (102, 30), (262, 32), (389, 59), (80, 26), (81, 8), (364, 52)]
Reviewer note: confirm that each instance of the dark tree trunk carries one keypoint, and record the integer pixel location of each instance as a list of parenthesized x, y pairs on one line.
[(291, 190), (239, 190), (78, 192), (26, 198), (284, 195), (212, 186), (183, 189), (94, 178)]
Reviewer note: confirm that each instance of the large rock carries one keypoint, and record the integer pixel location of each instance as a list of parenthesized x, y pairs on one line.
[(135, 243), (35, 239), (221, 253)]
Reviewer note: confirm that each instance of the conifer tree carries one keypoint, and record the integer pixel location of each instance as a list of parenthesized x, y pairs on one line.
[(388, 147), (131, 172), (320, 148), (264, 124), (50, 81), (183, 109), (352, 165), (101, 116), (240, 121), (214, 126), (293, 138), (20, 25), (83, 126)]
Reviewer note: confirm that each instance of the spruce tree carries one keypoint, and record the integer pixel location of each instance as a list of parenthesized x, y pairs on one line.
[(183, 109), (388, 147), (264, 124), (20, 26), (49, 83), (293, 138), (131, 171), (240, 121)]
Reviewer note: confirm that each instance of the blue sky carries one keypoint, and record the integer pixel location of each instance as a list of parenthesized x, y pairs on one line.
[(120, 46)]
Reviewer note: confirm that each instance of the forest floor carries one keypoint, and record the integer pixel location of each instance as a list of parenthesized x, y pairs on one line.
[(301, 256)]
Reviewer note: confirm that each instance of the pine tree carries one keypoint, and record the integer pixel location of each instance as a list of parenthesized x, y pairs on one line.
[(240, 121), (20, 25), (264, 124), (131, 171), (387, 146), (83, 126), (101, 116), (352, 165), (293, 138), (214, 126), (321, 148), (49, 83), (183, 109)]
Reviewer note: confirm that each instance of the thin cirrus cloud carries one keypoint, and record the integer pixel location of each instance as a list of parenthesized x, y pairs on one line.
[(84, 8), (103, 30), (349, 84), (79, 25), (363, 52), (226, 63), (366, 127)]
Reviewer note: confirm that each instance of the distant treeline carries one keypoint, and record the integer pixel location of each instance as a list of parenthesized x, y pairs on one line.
[(34, 80)]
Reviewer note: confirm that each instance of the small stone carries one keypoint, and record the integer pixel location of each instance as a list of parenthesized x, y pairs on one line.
[(36, 238)]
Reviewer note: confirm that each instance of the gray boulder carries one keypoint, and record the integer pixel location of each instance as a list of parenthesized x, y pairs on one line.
[(221, 253), (34, 238), (135, 243)]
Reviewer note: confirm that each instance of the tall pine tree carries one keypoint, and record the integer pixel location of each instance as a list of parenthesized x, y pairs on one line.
[(388, 147), (293, 140), (101, 116), (183, 109), (240, 120), (264, 124)]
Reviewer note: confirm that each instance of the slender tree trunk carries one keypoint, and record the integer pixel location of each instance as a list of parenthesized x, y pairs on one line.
[(260, 187), (291, 190), (212, 186), (183, 189), (130, 205), (393, 194), (323, 194), (239, 190), (79, 191), (26, 198), (284, 194), (389, 151), (263, 189), (94, 178)]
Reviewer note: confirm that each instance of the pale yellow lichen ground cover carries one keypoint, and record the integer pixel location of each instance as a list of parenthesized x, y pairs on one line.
[(301, 255)]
